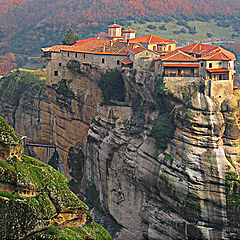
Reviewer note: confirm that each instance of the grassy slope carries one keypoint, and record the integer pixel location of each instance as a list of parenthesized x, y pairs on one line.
[(202, 29)]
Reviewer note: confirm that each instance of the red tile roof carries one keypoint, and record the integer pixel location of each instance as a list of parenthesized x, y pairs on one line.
[(150, 39), (217, 70), (209, 52), (198, 48), (178, 56), (180, 65), (228, 53), (217, 56), (126, 61), (78, 42), (57, 48), (114, 26), (129, 31), (137, 50), (93, 45)]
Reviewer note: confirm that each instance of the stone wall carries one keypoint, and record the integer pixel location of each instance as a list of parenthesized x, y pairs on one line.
[(181, 87), (56, 66), (219, 89)]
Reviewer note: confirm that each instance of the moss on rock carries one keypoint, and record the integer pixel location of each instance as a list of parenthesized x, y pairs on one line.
[(7, 134), (32, 193)]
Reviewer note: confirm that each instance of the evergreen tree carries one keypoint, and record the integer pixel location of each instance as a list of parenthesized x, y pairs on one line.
[(70, 37)]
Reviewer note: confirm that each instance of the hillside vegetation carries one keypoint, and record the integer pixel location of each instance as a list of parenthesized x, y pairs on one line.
[(28, 25)]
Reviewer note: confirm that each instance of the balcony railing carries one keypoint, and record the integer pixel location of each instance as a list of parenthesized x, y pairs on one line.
[(181, 75)]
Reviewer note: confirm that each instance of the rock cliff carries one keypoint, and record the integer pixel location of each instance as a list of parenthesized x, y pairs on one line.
[(58, 114), (35, 200), (168, 166), (162, 164)]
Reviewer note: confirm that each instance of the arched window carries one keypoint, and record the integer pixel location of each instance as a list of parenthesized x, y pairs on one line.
[(68, 54), (76, 55), (118, 62), (103, 60), (84, 55)]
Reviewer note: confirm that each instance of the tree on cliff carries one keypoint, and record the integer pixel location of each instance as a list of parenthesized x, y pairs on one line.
[(70, 37), (112, 86)]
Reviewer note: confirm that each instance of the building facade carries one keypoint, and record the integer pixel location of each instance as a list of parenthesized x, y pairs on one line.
[(212, 64)]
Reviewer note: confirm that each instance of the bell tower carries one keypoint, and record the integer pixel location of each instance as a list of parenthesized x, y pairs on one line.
[(129, 34), (114, 31)]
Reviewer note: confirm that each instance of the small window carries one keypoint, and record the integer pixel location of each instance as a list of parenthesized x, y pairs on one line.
[(103, 60), (220, 63), (118, 62), (84, 55), (210, 65), (55, 73), (76, 55), (68, 54), (202, 64), (60, 64)]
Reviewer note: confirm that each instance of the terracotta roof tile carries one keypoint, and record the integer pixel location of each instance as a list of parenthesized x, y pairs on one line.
[(216, 56), (96, 46), (151, 39), (129, 31), (126, 61), (137, 50), (56, 48), (114, 26), (209, 52), (181, 65), (217, 70), (79, 42), (198, 48), (178, 56)]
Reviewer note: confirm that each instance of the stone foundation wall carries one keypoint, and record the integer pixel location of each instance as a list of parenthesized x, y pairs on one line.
[(219, 89)]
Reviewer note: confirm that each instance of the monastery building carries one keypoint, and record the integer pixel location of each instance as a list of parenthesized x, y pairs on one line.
[(122, 49)]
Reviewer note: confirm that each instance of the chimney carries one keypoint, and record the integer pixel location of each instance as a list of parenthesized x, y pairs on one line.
[(127, 42), (111, 43), (104, 47)]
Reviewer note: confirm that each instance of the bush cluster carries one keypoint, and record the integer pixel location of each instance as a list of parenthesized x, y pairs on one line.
[(112, 86)]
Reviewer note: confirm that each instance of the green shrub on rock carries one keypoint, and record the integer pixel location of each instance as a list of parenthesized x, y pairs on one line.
[(112, 86), (163, 130)]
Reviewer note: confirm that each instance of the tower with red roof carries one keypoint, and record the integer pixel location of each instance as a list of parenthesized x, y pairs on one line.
[(114, 31)]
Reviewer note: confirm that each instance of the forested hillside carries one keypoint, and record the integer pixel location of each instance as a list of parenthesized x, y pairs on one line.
[(26, 25)]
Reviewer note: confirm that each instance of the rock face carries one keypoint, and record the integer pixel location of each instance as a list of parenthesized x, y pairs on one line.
[(58, 115), (185, 189), (35, 200), (163, 164)]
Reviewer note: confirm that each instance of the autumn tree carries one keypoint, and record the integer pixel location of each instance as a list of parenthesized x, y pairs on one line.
[(70, 37)]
